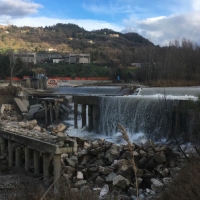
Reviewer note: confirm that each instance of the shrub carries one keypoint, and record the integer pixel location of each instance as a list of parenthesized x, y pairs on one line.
[(186, 185)]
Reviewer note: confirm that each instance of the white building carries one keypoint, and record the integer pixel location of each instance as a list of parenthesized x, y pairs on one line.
[(58, 60)]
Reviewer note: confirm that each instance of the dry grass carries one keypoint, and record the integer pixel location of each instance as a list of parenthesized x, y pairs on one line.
[(130, 148), (186, 185)]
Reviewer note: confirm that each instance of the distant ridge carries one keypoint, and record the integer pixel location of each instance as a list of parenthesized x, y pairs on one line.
[(104, 44)]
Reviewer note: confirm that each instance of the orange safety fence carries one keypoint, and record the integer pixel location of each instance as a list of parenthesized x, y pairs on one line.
[(79, 78), (63, 78), (14, 78)]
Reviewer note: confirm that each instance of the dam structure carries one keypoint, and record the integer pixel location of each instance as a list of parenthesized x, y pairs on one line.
[(157, 112)]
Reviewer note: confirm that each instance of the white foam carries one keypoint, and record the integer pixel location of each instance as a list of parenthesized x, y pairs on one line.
[(117, 138), (161, 96)]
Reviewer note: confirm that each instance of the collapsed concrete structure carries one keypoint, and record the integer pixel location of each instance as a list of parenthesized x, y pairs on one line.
[(28, 140)]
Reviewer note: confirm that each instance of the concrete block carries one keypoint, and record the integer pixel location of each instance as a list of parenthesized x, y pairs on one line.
[(21, 105), (25, 102)]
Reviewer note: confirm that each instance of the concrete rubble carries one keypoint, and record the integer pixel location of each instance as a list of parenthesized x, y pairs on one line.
[(54, 134)]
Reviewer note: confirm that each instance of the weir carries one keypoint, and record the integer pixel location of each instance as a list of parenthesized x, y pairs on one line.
[(94, 90), (173, 91), (92, 104), (156, 112), (151, 116), (157, 117)]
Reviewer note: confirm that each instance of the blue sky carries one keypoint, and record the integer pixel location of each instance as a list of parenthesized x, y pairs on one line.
[(157, 20)]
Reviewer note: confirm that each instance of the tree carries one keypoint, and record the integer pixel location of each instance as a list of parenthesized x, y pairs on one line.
[(15, 65), (4, 66)]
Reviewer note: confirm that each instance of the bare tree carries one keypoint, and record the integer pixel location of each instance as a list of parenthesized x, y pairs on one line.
[(15, 65)]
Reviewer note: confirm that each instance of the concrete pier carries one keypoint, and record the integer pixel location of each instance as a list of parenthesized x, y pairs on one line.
[(57, 106), (46, 111), (46, 164), (10, 153), (27, 157), (18, 157), (75, 115), (90, 117), (95, 116), (51, 112), (2, 144), (51, 107), (57, 171), (83, 115), (36, 155), (89, 105)]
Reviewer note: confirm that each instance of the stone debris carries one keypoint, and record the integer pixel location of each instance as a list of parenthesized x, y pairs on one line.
[(104, 190), (156, 185), (120, 181), (99, 164)]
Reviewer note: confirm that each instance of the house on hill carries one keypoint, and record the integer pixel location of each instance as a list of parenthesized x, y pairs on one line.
[(42, 57), (77, 58), (26, 57)]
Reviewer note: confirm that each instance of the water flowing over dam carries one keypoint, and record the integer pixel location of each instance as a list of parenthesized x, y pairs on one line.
[(157, 113), (173, 91), (152, 116)]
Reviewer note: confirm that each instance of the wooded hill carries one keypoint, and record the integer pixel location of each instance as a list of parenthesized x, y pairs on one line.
[(103, 45)]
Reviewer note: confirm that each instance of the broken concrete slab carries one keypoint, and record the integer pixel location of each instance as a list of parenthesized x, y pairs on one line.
[(26, 103), (21, 105), (34, 108)]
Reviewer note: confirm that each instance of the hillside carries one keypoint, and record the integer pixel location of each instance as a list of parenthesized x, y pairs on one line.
[(103, 45)]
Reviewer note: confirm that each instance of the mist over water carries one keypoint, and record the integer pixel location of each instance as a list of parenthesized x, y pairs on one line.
[(137, 138)]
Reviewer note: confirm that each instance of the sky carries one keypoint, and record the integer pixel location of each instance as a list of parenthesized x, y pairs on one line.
[(160, 21)]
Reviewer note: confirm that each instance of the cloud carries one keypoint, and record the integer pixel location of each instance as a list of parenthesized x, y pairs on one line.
[(45, 21), (110, 8), (18, 8), (161, 30), (195, 4)]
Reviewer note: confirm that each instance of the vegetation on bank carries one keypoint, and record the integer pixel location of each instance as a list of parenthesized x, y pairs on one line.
[(21, 69), (72, 70), (84, 70), (177, 63)]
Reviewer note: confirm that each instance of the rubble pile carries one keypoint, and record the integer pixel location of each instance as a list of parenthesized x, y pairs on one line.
[(106, 167), (54, 134)]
